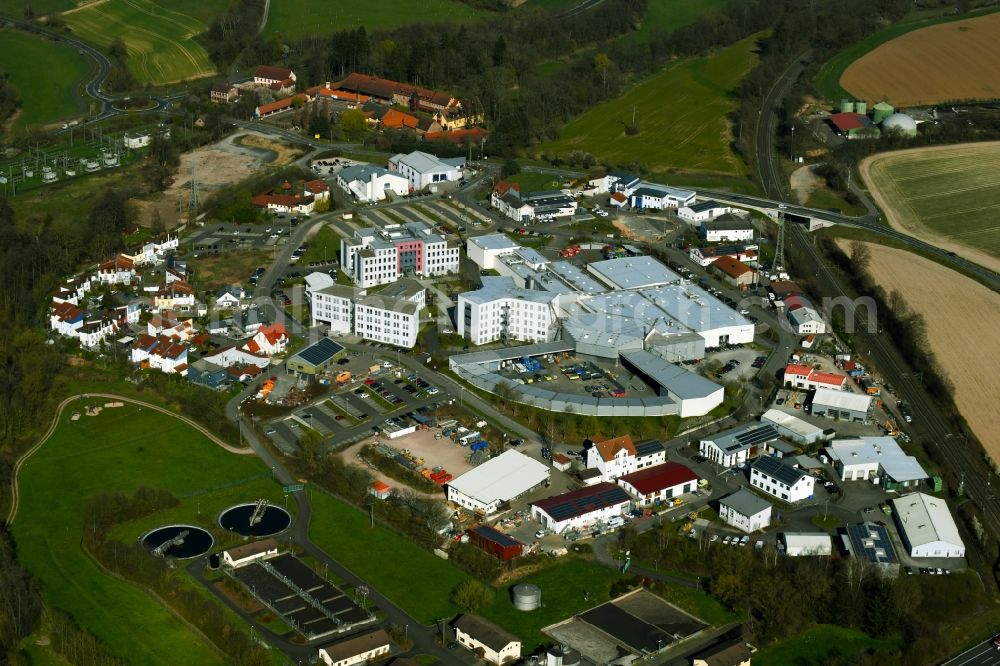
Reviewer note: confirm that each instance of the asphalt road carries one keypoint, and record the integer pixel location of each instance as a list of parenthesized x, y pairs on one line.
[(983, 654)]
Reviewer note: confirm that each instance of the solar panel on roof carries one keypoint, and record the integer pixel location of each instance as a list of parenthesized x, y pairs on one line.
[(757, 435), (648, 447), (876, 549), (320, 352)]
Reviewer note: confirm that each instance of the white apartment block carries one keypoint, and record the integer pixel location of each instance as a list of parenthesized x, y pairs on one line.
[(369, 183), (333, 306), (501, 311), (375, 257), (390, 321)]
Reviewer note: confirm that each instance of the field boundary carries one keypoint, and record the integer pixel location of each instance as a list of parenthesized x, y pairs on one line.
[(895, 212), (827, 79), (14, 490)]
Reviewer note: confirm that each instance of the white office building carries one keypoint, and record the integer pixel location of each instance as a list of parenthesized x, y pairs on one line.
[(649, 196), (726, 229), (927, 527), (392, 321), (783, 481), (373, 257), (792, 427), (371, 183), (502, 311), (745, 511), (333, 306), (702, 211), (426, 170), (484, 488), (484, 250)]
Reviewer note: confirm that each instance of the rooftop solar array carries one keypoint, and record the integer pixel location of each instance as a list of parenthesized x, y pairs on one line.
[(648, 447), (748, 438), (776, 469), (493, 535), (871, 541), (579, 502), (320, 352)]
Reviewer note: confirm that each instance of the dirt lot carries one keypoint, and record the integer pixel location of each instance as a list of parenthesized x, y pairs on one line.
[(215, 271), (962, 320), (804, 182), (942, 63), (435, 452), (228, 161), (945, 195)]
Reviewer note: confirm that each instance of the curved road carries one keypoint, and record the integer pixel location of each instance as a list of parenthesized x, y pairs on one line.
[(14, 491)]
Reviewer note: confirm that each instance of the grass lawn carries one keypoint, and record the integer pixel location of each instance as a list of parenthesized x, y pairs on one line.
[(817, 643), (681, 114), (668, 15), (159, 39), (378, 556), (214, 271), (324, 246), (117, 451), (318, 17), (68, 198), (15, 8), (563, 586), (700, 604), (46, 75), (827, 80), (531, 181)]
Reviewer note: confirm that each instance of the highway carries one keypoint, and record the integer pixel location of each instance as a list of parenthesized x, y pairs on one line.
[(984, 654)]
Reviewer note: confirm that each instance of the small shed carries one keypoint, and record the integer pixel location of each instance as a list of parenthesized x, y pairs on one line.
[(561, 462), (500, 545), (380, 490)]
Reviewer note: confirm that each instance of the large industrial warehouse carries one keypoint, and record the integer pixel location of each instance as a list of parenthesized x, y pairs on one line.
[(926, 525), (484, 488)]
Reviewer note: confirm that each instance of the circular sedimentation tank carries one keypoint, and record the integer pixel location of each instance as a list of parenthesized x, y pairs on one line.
[(527, 597), (236, 519), (194, 541)]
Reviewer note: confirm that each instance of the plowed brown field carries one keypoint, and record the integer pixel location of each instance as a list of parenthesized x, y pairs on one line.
[(941, 63), (962, 319)]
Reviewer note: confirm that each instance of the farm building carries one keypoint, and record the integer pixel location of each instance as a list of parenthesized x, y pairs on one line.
[(900, 123), (738, 445), (806, 544), (249, 552), (876, 459), (852, 125), (660, 482), (315, 358), (745, 511), (842, 405), (792, 427), (500, 545), (927, 527), (781, 480), (484, 488), (581, 508)]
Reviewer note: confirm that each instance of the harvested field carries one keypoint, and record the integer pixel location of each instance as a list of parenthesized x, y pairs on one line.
[(945, 195), (961, 315), (948, 62)]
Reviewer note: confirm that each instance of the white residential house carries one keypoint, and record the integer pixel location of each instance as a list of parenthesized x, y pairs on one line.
[(745, 511), (781, 480), (620, 456), (160, 353), (362, 649), (497, 645), (175, 294), (703, 211), (806, 320), (155, 251), (425, 170), (268, 340), (265, 75), (371, 183), (230, 298), (119, 270)]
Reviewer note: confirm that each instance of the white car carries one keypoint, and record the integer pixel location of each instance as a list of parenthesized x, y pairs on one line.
[(727, 540), (386, 364), (539, 534)]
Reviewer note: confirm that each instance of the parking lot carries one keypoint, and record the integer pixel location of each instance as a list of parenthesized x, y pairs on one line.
[(580, 375), (222, 237)]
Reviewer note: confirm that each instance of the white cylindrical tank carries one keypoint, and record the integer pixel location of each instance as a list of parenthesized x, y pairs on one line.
[(527, 597), (562, 655)]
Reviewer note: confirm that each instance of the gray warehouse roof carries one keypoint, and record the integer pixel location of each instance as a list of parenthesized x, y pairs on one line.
[(675, 379), (493, 242), (745, 503), (633, 272)]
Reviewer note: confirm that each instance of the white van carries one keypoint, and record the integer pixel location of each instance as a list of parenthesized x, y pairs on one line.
[(615, 522)]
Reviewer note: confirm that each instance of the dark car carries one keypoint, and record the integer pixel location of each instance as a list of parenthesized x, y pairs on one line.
[(452, 645), (546, 452)]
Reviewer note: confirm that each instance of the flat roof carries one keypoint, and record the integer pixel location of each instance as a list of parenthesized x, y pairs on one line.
[(492, 242), (926, 519), (842, 399), (882, 450), (502, 478), (632, 272), (675, 379)]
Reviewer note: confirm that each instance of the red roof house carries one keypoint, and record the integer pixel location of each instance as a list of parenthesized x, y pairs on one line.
[(659, 482)]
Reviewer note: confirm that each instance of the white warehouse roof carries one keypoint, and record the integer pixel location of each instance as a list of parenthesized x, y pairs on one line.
[(803, 429), (926, 519), (501, 479), (842, 399), (885, 451), (807, 543)]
